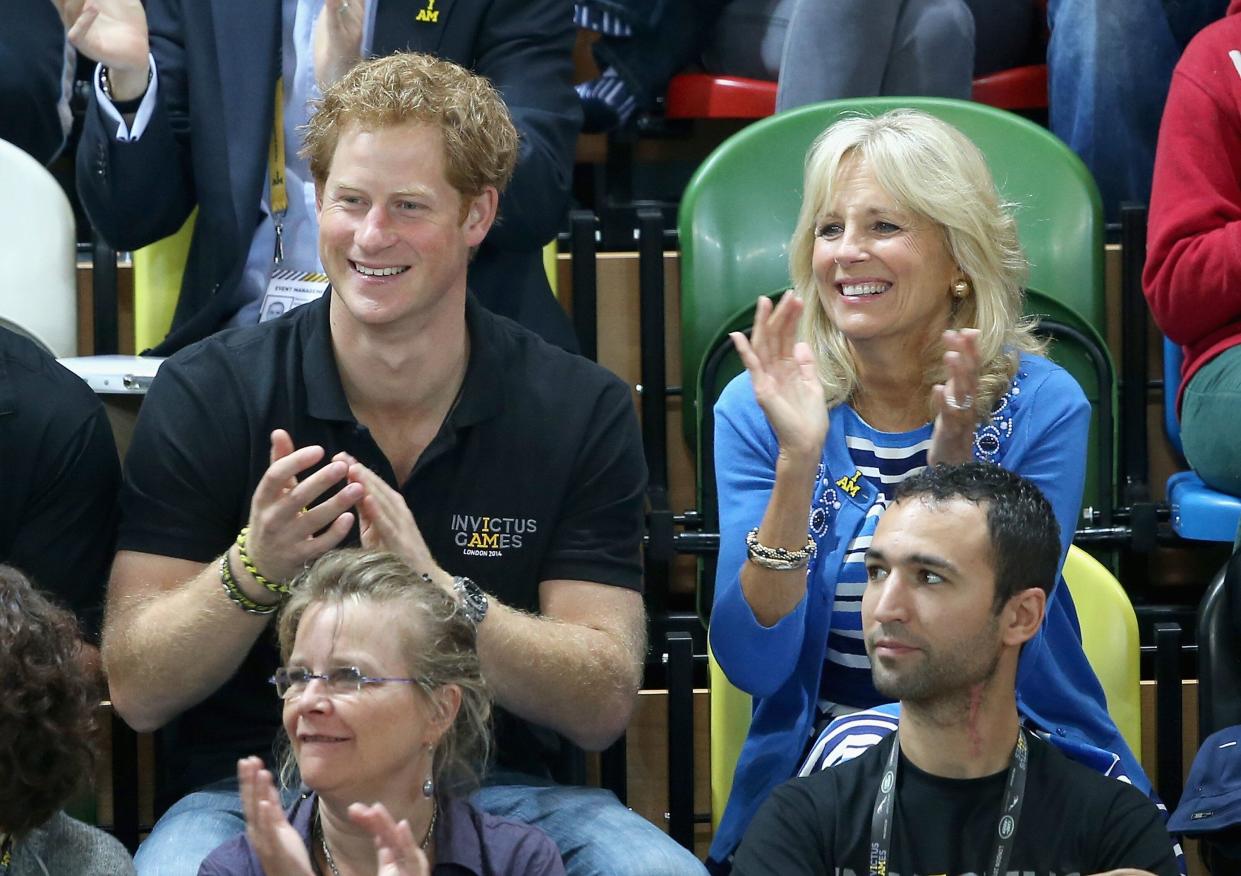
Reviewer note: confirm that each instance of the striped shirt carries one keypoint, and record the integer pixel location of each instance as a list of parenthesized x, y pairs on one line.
[(885, 459)]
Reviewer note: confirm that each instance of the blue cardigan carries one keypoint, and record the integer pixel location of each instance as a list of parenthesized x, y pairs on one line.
[(1038, 429)]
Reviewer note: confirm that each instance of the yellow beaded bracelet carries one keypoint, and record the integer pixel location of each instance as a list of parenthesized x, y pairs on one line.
[(245, 603), (279, 587)]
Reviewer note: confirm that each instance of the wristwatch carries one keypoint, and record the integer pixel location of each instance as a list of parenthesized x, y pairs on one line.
[(124, 107), (473, 599)]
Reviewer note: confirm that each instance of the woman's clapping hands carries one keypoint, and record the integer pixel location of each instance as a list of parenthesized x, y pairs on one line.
[(954, 400), (786, 382)]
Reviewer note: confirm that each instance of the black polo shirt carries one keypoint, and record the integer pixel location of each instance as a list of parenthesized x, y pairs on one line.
[(536, 474), (59, 476)]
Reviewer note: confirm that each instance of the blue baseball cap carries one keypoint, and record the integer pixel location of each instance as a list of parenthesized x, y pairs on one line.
[(1212, 796)]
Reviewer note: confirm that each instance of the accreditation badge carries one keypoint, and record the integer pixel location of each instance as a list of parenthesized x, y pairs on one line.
[(289, 289)]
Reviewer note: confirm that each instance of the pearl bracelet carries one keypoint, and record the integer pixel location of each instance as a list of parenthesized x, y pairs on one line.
[(779, 559)]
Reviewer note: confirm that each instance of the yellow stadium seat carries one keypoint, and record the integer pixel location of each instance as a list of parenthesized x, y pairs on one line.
[(730, 722), (158, 270), (1109, 638)]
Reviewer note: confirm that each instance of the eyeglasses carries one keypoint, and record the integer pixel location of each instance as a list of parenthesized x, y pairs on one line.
[(290, 681)]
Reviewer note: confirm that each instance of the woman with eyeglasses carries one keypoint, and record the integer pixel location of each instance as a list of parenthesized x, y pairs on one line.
[(387, 718)]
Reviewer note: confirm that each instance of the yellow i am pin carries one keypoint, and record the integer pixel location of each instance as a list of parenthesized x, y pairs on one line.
[(430, 15)]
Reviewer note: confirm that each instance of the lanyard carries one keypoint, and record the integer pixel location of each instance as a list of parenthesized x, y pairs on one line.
[(1005, 829), (275, 166)]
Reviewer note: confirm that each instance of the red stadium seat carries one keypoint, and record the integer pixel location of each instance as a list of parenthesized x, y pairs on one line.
[(705, 96), (1019, 88)]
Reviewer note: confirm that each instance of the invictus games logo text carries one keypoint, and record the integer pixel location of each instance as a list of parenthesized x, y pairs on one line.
[(481, 536)]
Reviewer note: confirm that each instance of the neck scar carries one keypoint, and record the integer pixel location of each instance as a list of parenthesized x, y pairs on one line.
[(971, 722)]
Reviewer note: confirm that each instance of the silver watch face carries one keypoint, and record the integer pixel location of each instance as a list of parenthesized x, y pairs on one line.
[(473, 599)]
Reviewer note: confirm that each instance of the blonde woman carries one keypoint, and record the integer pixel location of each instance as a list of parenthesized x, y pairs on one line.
[(900, 345)]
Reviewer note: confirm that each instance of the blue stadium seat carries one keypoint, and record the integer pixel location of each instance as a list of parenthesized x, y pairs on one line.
[(1198, 512), (1204, 514)]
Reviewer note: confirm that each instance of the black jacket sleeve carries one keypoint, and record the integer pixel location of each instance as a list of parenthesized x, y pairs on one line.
[(140, 191), (525, 47)]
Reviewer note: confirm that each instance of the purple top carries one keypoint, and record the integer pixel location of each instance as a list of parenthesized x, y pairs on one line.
[(467, 840)]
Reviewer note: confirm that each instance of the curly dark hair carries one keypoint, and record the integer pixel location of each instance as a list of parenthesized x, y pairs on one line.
[(47, 707)]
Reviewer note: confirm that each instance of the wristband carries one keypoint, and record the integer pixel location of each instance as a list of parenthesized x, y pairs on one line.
[(778, 558), (245, 603), (280, 588)]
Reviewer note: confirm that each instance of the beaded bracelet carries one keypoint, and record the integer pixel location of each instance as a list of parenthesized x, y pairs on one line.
[(245, 603), (780, 559), (278, 587)]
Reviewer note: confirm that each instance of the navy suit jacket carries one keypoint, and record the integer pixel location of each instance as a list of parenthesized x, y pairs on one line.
[(206, 144), (32, 68)]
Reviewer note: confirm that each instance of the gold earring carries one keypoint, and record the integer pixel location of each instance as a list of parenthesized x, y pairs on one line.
[(960, 289)]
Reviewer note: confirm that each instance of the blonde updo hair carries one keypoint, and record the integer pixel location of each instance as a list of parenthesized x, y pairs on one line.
[(934, 171), (437, 639)]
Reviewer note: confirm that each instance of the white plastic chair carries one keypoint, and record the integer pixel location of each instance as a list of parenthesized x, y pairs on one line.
[(38, 263)]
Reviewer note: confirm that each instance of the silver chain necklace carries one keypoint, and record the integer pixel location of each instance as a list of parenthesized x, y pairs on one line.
[(327, 853)]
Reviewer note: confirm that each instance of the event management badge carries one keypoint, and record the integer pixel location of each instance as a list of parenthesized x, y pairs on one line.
[(289, 289)]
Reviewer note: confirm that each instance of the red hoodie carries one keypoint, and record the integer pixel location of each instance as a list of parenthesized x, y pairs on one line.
[(1193, 264)]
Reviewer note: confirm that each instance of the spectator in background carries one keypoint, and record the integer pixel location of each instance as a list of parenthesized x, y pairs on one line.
[(59, 479), (1109, 63), (816, 49), (36, 72), (192, 125), (1193, 265), (47, 741)]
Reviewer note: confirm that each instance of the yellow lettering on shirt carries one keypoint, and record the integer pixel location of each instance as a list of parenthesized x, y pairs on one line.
[(850, 483), (430, 15)]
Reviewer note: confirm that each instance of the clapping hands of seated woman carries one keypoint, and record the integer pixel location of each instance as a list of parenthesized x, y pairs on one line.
[(398, 852), (953, 401), (283, 852), (783, 373)]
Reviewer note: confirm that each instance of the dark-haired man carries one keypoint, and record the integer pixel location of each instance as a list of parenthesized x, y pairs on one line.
[(959, 571)]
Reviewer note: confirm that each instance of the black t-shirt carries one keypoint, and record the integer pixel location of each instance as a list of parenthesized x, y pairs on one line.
[(537, 474), (59, 477), (1073, 821)]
